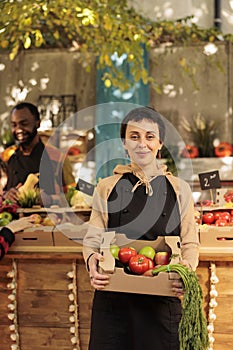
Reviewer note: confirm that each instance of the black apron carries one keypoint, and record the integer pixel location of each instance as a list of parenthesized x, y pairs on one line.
[(127, 321), (20, 166)]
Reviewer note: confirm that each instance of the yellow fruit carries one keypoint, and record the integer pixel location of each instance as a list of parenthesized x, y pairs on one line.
[(36, 218), (51, 220)]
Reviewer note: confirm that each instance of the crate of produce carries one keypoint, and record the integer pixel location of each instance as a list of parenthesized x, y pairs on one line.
[(216, 239), (122, 280)]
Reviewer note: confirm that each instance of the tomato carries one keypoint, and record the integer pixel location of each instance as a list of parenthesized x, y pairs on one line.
[(221, 222), (114, 249), (139, 264), (147, 251), (225, 215), (217, 215), (208, 218), (125, 253)]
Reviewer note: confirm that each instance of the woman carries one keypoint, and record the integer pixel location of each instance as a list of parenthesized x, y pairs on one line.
[(143, 201)]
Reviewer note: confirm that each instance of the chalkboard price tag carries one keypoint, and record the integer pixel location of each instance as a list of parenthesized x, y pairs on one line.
[(85, 187), (209, 180)]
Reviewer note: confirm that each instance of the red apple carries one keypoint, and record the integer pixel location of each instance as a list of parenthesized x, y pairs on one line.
[(162, 258)]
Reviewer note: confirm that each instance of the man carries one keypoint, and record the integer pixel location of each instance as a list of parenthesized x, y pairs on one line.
[(32, 156)]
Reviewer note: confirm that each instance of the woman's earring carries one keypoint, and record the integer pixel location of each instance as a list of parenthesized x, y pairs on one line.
[(159, 154), (126, 154)]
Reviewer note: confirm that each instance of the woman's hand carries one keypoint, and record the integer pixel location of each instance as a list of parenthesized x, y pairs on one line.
[(98, 280), (177, 286)]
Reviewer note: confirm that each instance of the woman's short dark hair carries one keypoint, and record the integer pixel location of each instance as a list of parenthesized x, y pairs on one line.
[(140, 113), (32, 108)]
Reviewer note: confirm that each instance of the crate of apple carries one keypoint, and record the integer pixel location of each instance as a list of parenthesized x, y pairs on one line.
[(139, 262)]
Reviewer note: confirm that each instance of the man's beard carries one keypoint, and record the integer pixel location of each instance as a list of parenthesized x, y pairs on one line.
[(30, 137)]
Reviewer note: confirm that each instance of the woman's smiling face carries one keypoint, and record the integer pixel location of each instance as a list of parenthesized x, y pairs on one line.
[(142, 141)]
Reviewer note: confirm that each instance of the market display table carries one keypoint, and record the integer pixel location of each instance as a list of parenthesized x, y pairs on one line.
[(46, 297), (215, 272)]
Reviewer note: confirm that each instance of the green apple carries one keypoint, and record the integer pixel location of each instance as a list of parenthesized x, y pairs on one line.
[(114, 249), (4, 222), (6, 215), (147, 251)]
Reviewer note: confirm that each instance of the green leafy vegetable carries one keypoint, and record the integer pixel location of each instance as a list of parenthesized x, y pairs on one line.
[(193, 333)]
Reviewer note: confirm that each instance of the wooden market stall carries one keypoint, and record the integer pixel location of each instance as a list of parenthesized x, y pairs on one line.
[(46, 297)]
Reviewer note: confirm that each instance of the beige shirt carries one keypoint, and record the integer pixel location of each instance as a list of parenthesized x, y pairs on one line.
[(99, 217)]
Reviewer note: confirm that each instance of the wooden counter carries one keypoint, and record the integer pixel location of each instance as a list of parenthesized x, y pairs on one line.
[(52, 272), (44, 292)]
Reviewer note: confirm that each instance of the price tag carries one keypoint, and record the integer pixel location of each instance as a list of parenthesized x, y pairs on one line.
[(85, 187), (209, 180)]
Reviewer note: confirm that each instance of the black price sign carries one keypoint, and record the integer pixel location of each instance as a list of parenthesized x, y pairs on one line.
[(209, 180), (85, 187)]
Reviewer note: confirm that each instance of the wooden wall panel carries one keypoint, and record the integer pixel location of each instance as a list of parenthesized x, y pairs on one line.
[(41, 338), (4, 335), (85, 296), (203, 275), (39, 275), (43, 308)]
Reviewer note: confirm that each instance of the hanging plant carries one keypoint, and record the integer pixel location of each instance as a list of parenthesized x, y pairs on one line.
[(98, 28)]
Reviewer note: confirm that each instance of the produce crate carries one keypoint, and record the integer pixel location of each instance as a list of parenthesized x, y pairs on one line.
[(33, 240), (216, 239), (121, 281), (68, 236)]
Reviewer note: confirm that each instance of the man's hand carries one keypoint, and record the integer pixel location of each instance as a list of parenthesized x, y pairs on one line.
[(12, 194)]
